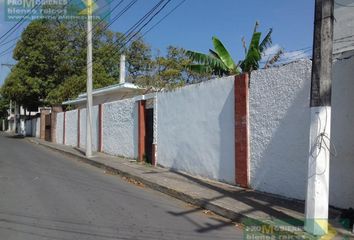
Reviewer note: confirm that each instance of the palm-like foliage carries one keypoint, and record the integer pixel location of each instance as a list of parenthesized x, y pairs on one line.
[(220, 62)]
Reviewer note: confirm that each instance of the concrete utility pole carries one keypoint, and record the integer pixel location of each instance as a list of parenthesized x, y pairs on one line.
[(89, 81), (317, 202), (9, 65), (122, 69)]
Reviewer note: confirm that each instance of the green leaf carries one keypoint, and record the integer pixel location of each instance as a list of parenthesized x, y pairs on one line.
[(204, 69), (253, 55), (266, 42), (207, 60), (215, 54), (255, 27), (224, 54), (199, 68)]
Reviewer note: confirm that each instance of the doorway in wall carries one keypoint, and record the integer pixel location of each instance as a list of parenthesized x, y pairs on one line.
[(146, 131), (47, 133), (149, 134)]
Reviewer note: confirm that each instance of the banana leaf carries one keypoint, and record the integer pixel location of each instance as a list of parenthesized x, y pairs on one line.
[(223, 54)]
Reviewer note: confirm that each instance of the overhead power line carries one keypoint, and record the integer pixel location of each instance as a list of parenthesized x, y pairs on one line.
[(140, 29), (9, 41), (164, 17), (132, 29), (18, 24), (108, 14), (139, 23), (131, 4), (8, 50)]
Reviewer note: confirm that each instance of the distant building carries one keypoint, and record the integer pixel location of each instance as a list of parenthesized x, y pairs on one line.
[(108, 94)]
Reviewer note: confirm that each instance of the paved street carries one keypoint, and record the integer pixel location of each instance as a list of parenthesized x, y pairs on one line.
[(45, 195)]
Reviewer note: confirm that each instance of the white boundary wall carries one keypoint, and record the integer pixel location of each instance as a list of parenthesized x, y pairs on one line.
[(38, 127), (33, 127), (280, 124), (341, 185), (28, 128), (94, 128), (195, 130), (59, 127), (71, 124), (120, 128)]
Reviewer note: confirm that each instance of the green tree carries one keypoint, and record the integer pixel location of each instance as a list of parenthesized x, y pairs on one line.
[(4, 106), (139, 59), (51, 62), (171, 71), (219, 61)]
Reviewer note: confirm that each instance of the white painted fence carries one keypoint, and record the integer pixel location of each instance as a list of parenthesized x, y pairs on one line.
[(71, 128), (279, 126), (341, 186), (280, 123), (33, 127), (94, 128), (120, 128), (196, 129), (59, 128)]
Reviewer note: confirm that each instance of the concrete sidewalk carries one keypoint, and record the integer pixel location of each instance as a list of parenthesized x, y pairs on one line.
[(236, 204)]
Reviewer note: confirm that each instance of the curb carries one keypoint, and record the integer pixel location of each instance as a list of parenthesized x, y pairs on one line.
[(201, 203), (204, 204)]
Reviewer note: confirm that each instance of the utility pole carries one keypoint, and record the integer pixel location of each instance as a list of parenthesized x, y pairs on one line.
[(317, 202), (10, 112), (122, 69), (89, 81)]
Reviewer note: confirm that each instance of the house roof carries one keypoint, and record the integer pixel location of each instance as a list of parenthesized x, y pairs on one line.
[(120, 91)]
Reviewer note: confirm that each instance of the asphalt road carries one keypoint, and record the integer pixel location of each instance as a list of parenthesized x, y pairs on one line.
[(45, 195)]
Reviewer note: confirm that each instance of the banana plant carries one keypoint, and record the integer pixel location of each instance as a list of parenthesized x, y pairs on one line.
[(219, 61)]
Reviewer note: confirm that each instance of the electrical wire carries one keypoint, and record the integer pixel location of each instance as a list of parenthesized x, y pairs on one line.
[(140, 29), (108, 14), (163, 18), (11, 40), (8, 50), (137, 24), (18, 24), (132, 29), (23, 18), (130, 5)]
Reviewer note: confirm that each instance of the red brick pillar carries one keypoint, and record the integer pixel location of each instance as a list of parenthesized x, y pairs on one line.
[(242, 151), (55, 111), (154, 149), (78, 128), (100, 128), (64, 125), (44, 112), (141, 129)]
